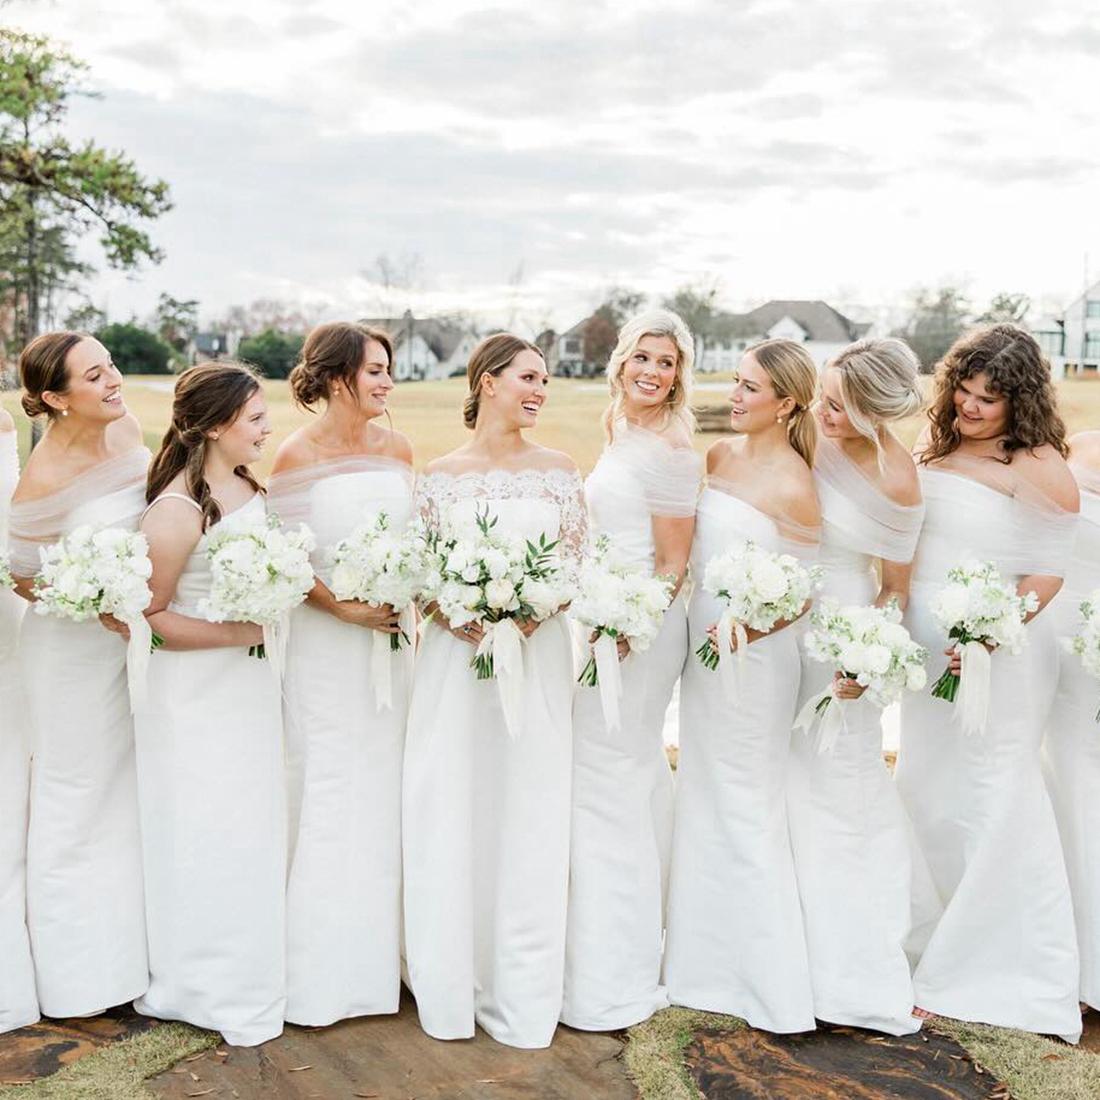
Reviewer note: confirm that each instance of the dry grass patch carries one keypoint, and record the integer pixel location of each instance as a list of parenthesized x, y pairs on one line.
[(119, 1071)]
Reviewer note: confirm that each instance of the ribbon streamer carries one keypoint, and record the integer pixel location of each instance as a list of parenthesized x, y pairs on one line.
[(276, 643), (381, 671), (832, 720), (11, 615), (138, 649), (504, 642), (606, 651), (729, 669), (975, 683)]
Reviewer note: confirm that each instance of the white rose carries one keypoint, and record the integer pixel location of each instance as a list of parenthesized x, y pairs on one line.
[(916, 677), (769, 580), (500, 595)]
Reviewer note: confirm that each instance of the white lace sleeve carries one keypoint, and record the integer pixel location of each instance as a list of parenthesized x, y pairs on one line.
[(426, 502), (568, 493)]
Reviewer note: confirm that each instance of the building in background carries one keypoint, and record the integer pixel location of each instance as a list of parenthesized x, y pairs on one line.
[(428, 347), (1080, 344)]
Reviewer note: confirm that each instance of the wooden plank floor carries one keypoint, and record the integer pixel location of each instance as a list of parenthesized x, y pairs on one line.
[(390, 1058)]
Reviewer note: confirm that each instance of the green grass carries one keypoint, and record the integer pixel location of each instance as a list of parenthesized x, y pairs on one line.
[(118, 1071)]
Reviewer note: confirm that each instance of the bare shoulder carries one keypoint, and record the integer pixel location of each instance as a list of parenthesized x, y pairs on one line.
[(6, 422), (1049, 472), (398, 445), (901, 482), (549, 459), (717, 453), (1084, 447), (921, 445), (171, 517), (294, 452), (798, 494)]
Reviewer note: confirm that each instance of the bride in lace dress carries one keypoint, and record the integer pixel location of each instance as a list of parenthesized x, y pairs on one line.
[(642, 496), (85, 908), (18, 1002), (486, 816)]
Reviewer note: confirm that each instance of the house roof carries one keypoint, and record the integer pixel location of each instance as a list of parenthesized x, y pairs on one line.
[(440, 334), (819, 319)]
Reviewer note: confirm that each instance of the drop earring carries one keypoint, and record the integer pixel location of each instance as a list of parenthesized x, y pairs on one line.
[(64, 412)]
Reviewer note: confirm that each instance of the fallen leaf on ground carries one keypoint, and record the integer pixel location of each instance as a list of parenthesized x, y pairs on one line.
[(205, 1092), (196, 1057), (193, 1076), (1052, 1057), (298, 1069)]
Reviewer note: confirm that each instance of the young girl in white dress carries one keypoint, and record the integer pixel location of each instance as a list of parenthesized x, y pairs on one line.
[(345, 731), (736, 942), (209, 743), (18, 1001), (641, 495), (1072, 746), (853, 849), (85, 908), (996, 487), (486, 814)]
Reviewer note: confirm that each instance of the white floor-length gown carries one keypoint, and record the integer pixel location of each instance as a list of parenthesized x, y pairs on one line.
[(622, 783), (18, 1000), (85, 907), (1004, 951), (736, 942), (853, 846), (211, 779), (486, 816), (1072, 746), (344, 762)]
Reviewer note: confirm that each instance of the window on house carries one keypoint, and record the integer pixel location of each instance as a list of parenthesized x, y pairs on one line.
[(573, 346), (1092, 307), (1092, 345)]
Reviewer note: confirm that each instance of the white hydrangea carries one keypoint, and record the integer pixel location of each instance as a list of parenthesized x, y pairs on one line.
[(978, 605), (259, 571), (618, 600), (868, 645), (1085, 642), (90, 573), (759, 589), (377, 565)]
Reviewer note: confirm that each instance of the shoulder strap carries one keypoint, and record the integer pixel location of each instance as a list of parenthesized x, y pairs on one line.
[(173, 496)]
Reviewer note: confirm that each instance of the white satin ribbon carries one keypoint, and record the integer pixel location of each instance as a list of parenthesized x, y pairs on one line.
[(276, 642), (11, 615), (975, 688), (606, 651), (833, 720), (381, 671), (504, 642), (138, 649), (731, 660)]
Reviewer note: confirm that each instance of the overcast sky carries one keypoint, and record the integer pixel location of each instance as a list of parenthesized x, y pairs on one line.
[(532, 154)]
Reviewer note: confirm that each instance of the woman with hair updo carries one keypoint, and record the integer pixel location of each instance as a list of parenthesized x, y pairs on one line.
[(996, 487), (641, 495), (85, 910), (345, 731), (486, 805), (210, 747), (1072, 747), (18, 1001), (853, 850), (735, 936)]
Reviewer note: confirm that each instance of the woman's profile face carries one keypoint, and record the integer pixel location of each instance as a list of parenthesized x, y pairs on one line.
[(832, 414), (980, 412), (94, 390)]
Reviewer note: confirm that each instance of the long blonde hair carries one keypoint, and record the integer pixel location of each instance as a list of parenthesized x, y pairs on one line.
[(655, 322), (879, 381), (793, 374)]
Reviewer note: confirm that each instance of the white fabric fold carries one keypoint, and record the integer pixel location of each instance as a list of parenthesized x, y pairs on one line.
[(138, 649), (832, 718), (975, 679), (276, 637), (731, 658), (504, 643), (606, 652)]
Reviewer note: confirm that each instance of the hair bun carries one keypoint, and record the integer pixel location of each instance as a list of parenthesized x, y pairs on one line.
[(33, 406)]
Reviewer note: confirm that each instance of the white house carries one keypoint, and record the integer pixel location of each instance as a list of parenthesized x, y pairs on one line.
[(1081, 333), (427, 347)]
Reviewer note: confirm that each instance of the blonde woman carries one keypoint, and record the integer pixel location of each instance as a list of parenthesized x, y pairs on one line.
[(853, 851), (486, 807), (735, 936), (641, 495)]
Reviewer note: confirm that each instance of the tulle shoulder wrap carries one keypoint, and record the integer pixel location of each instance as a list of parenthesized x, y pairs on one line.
[(793, 537), (857, 515), (669, 472), (288, 494), (9, 475), (37, 523)]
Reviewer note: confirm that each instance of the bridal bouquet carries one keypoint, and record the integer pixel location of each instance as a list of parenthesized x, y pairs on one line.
[(1085, 642), (376, 565), (759, 588), (616, 601), (89, 573), (491, 578), (260, 572), (976, 606), (6, 579), (865, 644)]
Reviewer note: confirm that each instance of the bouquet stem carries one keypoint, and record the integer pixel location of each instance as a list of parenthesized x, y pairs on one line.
[(823, 705), (708, 654), (484, 664), (947, 686), (398, 640), (258, 651), (589, 676)]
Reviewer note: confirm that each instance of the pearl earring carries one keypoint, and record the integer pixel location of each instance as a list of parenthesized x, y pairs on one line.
[(779, 420), (64, 412)]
